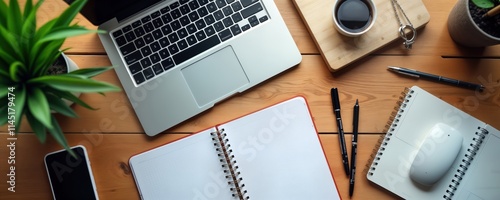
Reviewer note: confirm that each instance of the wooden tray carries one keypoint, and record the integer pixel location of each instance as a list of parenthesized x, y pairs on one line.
[(339, 50)]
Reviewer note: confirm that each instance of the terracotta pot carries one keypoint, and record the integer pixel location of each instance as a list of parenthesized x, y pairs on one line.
[(464, 31)]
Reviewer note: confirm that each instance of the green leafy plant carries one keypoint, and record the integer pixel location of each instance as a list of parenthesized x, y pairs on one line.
[(485, 3), (26, 54)]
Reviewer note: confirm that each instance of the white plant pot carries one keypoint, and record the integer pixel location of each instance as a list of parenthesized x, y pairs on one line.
[(71, 66), (464, 31)]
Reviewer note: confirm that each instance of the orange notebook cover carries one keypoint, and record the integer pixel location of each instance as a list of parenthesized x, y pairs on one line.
[(273, 153)]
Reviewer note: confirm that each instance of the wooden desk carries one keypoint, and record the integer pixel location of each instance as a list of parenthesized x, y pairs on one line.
[(112, 134)]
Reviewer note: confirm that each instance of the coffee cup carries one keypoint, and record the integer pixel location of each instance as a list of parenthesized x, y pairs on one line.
[(354, 17)]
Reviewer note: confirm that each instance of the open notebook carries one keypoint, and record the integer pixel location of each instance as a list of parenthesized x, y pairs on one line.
[(475, 173), (274, 153)]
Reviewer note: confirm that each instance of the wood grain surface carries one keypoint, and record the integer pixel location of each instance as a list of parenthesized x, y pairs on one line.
[(112, 133), (338, 50)]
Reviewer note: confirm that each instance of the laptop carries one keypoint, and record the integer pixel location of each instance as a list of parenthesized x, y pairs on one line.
[(178, 58)]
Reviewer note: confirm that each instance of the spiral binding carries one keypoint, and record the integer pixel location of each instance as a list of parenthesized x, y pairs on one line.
[(229, 164), (467, 158), (391, 125)]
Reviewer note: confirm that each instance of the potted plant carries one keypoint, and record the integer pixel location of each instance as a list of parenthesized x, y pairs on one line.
[(27, 54), (469, 26)]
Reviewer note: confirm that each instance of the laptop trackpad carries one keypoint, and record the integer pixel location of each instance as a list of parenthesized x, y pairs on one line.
[(215, 76)]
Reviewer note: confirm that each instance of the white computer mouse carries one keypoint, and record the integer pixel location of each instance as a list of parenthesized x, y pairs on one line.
[(436, 154)]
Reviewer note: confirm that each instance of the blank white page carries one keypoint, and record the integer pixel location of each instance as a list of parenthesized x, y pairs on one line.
[(185, 169), (279, 154)]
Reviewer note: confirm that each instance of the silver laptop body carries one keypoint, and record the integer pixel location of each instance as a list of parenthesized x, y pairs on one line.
[(169, 88)]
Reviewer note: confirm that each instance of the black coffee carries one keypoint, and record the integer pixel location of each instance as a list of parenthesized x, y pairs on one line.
[(354, 15)]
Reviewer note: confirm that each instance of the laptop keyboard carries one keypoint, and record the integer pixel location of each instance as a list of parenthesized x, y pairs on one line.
[(173, 34)]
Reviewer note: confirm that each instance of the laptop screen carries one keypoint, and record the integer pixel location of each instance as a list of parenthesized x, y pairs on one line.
[(100, 11)]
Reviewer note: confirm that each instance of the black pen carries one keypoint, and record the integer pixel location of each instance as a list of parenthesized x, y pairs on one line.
[(336, 109), (417, 74), (354, 148)]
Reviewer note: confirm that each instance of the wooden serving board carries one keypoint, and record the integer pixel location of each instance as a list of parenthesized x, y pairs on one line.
[(339, 50)]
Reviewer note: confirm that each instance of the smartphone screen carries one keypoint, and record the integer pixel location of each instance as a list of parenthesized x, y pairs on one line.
[(70, 177)]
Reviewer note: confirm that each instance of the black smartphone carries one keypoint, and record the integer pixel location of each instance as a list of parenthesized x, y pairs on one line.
[(70, 177)]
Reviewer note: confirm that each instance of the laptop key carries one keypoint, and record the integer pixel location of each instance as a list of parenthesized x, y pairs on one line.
[(203, 11), (196, 49), (164, 42), (139, 31), (212, 7), (227, 10), (248, 2), (148, 38), (145, 62), (157, 68), (227, 22), (157, 34), (182, 33), (182, 44), (218, 26), (236, 17), (139, 43), (126, 28), (209, 19), (173, 49), (134, 68), (146, 19), (148, 73), (245, 27), (253, 21), (218, 15), (117, 33), (220, 3), (185, 9), (155, 46), (225, 35), (167, 64), (200, 35), (200, 24), (166, 29), (130, 36), (251, 10), (176, 13), (174, 5), (121, 41), (263, 18), (146, 51), (136, 24), (133, 57), (129, 48), (191, 28), (164, 53), (155, 58), (194, 5), (191, 40), (148, 27), (139, 78), (155, 14), (176, 25), (158, 22), (235, 29), (166, 18), (203, 2), (236, 6)]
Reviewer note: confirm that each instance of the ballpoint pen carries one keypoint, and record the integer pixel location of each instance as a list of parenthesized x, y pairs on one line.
[(354, 147), (415, 73), (336, 109)]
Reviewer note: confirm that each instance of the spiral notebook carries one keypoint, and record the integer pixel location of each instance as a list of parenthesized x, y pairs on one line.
[(475, 173), (274, 153)]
